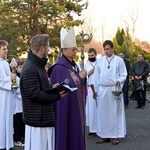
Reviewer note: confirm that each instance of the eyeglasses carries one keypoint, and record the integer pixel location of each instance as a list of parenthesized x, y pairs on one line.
[(5, 49)]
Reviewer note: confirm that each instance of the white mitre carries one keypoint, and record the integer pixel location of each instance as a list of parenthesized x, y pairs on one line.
[(68, 39)]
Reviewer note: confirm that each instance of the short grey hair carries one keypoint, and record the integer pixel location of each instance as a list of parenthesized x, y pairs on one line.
[(39, 40)]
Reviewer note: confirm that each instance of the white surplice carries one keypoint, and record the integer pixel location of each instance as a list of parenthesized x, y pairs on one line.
[(111, 115), (91, 107), (6, 106), (17, 98), (39, 138)]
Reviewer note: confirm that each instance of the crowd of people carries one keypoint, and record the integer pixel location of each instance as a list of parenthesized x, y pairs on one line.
[(33, 117)]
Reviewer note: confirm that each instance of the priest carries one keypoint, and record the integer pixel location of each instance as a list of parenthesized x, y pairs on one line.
[(70, 113)]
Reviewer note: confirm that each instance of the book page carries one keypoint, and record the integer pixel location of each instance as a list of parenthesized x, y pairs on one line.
[(65, 88), (71, 89)]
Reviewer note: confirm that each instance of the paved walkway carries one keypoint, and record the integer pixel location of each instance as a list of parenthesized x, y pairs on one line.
[(138, 132)]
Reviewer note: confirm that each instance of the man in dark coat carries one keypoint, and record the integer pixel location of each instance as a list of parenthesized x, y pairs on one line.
[(126, 83), (139, 72), (38, 109)]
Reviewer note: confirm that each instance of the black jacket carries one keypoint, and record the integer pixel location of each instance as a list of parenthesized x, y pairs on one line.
[(140, 69), (127, 63), (38, 110)]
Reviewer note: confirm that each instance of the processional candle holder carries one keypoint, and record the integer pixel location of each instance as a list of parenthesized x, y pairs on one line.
[(13, 65), (117, 94)]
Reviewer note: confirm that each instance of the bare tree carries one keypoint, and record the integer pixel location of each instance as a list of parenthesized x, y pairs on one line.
[(89, 26), (103, 27), (133, 16)]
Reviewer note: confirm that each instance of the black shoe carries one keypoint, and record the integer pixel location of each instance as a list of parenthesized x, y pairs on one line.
[(126, 106), (22, 140), (142, 107), (91, 134), (137, 107)]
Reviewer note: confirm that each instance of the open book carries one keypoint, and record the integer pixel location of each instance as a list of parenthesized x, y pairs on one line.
[(65, 88)]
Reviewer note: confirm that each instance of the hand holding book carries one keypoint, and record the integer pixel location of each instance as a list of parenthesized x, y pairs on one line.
[(60, 88)]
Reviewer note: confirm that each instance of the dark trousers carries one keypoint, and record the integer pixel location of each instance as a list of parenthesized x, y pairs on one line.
[(141, 97), (125, 91), (19, 127)]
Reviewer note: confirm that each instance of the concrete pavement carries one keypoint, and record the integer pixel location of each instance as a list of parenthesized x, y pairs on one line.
[(138, 132)]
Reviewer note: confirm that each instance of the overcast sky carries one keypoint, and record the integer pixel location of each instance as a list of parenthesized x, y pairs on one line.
[(114, 13)]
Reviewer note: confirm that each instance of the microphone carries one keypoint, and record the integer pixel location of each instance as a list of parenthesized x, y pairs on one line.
[(66, 81)]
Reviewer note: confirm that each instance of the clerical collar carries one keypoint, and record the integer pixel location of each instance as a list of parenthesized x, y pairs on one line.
[(71, 62), (74, 65)]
